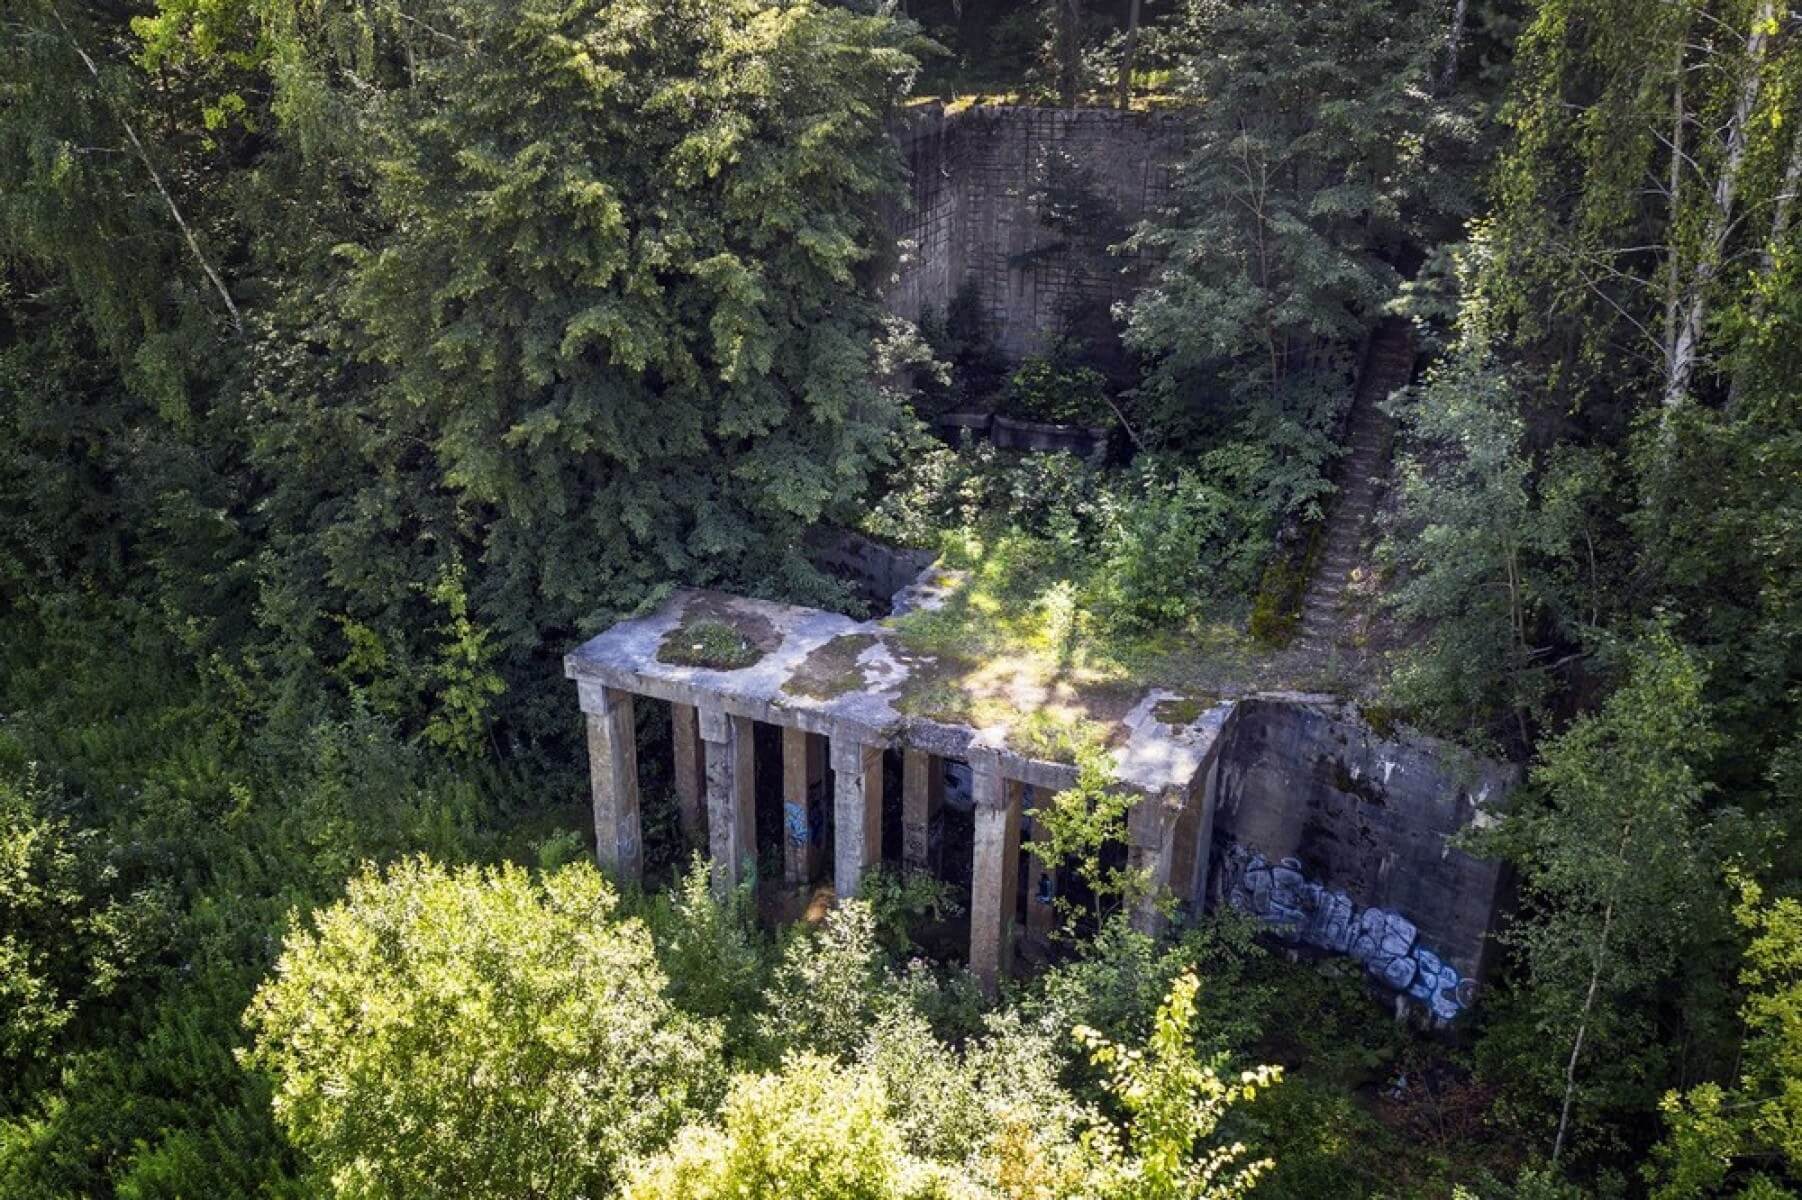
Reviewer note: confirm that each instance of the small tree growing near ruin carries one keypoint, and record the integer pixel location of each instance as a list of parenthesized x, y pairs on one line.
[(1174, 1103), (476, 1033), (1078, 825), (1612, 853)]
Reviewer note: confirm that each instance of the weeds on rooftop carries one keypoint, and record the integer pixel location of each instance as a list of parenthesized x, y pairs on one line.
[(709, 643)]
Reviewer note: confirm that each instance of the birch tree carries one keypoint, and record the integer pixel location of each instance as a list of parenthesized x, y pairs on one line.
[(1612, 853), (1649, 182)]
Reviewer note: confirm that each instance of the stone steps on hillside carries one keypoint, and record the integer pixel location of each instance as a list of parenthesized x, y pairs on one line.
[(1362, 476)]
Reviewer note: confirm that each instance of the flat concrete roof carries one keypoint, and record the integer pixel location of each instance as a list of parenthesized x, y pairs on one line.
[(829, 674)]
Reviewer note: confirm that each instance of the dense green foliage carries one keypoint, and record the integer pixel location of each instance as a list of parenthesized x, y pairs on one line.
[(356, 359), (376, 1022)]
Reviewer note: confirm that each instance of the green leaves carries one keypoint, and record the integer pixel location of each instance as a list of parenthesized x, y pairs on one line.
[(1174, 1104), (478, 1032), (1307, 159), (65, 939)]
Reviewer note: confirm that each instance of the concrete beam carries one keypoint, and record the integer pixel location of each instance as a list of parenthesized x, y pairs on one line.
[(613, 779), (856, 813), (690, 774), (803, 801), (922, 795), (994, 874), (731, 797)]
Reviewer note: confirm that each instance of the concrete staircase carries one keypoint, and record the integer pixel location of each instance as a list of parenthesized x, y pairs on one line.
[(1363, 475)]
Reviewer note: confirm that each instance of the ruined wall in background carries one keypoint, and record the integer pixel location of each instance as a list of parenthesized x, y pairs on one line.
[(927, 265), (1024, 203), (1337, 837)]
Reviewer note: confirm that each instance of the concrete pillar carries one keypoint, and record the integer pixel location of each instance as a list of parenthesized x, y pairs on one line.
[(1194, 837), (1204, 839), (994, 871), (690, 774), (856, 813), (613, 779), (922, 795), (1151, 846), (803, 800), (1041, 887), (731, 797)]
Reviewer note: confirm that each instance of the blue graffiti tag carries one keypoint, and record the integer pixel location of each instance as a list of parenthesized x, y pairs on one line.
[(794, 820), (1299, 910)]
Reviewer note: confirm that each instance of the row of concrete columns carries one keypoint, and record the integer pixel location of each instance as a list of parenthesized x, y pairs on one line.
[(714, 780)]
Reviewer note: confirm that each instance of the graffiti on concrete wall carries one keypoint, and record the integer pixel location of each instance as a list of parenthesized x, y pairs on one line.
[(1298, 909), (794, 820), (806, 825)]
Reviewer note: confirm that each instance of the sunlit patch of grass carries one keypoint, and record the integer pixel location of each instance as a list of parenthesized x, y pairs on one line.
[(709, 643), (1027, 632), (1057, 735)]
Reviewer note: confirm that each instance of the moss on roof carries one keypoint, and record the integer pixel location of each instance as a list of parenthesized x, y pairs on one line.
[(831, 669)]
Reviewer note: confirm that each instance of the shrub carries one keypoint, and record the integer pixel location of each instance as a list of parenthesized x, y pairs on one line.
[(1058, 391), (816, 1131), (64, 939), (475, 1033), (900, 900), (828, 986), (1182, 541), (712, 950)]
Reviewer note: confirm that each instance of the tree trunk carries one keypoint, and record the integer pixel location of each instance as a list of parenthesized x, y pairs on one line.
[(1784, 206), (1674, 265), (1454, 41), (1576, 1050), (155, 177), (1127, 52), (1781, 210), (1685, 349), (1070, 52)]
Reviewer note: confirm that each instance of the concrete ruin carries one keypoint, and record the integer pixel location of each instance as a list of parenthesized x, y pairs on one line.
[(1026, 204), (1290, 807)]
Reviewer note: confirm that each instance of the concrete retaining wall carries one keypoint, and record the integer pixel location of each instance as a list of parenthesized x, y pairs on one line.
[(1338, 837), (973, 213)]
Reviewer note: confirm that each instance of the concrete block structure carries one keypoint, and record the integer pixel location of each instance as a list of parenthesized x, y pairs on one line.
[(980, 212), (858, 713), (1289, 807)]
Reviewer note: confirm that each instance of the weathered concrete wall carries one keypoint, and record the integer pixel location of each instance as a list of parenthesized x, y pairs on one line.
[(928, 259), (1337, 836), (877, 570), (976, 213)]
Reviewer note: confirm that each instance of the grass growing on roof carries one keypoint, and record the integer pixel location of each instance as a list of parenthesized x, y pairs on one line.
[(711, 643), (1027, 628)]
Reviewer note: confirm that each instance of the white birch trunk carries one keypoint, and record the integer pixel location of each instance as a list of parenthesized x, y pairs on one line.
[(1685, 347)]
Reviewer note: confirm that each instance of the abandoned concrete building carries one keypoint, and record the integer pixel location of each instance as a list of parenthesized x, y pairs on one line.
[(1288, 806), (1292, 807)]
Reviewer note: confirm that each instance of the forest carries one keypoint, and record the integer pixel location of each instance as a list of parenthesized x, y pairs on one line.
[(361, 358)]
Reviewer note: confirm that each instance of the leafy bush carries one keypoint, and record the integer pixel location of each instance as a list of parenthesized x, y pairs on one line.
[(828, 986), (1078, 825), (478, 1033), (900, 900), (814, 1131), (716, 958), (1174, 1103), (65, 938), (1058, 391), (1187, 536)]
